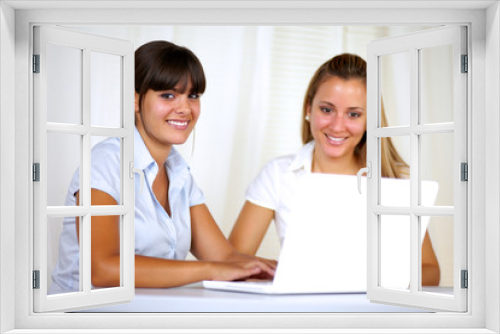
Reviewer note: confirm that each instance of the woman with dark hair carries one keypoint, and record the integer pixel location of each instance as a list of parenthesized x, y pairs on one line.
[(334, 138), (171, 218)]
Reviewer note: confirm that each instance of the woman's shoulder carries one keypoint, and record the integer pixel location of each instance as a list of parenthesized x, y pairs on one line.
[(106, 155), (107, 144), (281, 163), (107, 148), (293, 161), (277, 168)]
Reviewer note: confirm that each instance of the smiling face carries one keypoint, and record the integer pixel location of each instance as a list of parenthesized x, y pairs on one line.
[(337, 117), (167, 117)]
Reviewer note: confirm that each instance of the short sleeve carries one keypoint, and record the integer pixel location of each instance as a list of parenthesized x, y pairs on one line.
[(105, 170), (263, 191), (196, 196), (104, 173)]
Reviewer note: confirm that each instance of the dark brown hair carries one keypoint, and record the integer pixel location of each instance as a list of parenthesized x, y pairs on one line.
[(161, 65)]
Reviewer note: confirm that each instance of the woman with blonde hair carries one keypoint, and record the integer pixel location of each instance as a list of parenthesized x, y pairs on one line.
[(334, 138)]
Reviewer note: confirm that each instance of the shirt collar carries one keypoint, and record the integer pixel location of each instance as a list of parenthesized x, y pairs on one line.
[(303, 159), (143, 158), (175, 162)]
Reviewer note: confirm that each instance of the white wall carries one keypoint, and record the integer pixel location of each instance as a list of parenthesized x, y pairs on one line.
[(492, 274), (7, 168)]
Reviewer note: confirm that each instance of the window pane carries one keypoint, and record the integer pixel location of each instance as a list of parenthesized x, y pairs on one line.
[(106, 159), (392, 169), (64, 84), (113, 227), (105, 89), (63, 273), (395, 252), (395, 88), (437, 165), (440, 231), (63, 159), (436, 84)]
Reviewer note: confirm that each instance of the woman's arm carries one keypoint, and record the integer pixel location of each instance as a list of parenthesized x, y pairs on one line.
[(158, 272), (430, 266), (209, 244), (250, 228)]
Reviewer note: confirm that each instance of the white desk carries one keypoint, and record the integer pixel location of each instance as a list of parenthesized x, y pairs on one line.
[(194, 298)]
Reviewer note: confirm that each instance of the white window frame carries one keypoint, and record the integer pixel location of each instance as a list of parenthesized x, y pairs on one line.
[(411, 45), (86, 297), (483, 314)]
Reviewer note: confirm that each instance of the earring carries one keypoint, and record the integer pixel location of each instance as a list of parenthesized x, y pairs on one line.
[(307, 118)]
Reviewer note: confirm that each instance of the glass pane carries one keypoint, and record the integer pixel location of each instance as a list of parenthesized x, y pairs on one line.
[(106, 157), (437, 252), (395, 89), (64, 84), (437, 166), (395, 252), (111, 226), (63, 256), (436, 84), (63, 159), (395, 170), (105, 89)]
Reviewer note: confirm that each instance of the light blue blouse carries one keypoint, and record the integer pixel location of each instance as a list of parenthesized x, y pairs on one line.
[(156, 233)]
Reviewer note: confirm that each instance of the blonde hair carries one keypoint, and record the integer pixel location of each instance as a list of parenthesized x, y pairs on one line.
[(392, 165), (349, 66)]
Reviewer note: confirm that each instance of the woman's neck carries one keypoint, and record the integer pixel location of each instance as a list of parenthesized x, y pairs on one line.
[(348, 165), (158, 151)]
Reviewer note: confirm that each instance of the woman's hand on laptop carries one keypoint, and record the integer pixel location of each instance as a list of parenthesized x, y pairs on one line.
[(241, 257), (243, 268)]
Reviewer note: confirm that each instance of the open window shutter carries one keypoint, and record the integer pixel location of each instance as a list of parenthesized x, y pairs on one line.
[(65, 78), (419, 130)]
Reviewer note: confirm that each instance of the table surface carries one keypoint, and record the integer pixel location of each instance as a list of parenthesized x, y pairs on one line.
[(194, 298)]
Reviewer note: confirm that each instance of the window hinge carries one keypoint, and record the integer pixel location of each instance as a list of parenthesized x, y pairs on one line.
[(464, 171), (36, 63), (36, 172), (465, 64), (36, 279), (465, 279)]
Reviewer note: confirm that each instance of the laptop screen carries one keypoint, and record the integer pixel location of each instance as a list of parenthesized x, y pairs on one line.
[(326, 238)]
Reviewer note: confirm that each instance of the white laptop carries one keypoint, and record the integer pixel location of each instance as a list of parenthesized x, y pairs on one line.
[(324, 250)]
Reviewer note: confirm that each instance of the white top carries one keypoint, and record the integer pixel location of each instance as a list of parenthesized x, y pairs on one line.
[(156, 233), (273, 188)]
